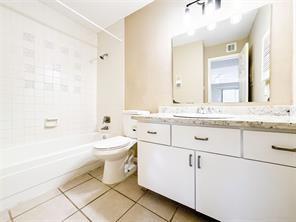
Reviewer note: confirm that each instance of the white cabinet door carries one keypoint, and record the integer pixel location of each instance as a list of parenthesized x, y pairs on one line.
[(218, 183), (269, 192), (233, 189), (168, 171)]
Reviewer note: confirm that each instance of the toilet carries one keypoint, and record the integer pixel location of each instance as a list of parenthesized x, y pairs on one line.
[(116, 151)]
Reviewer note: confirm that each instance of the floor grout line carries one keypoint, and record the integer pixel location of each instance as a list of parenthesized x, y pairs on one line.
[(10, 215), (39, 204), (126, 211), (61, 192), (174, 213), (78, 209), (135, 202), (151, 211), (95, 198), (75, 185), (109, 189), (124, 195)]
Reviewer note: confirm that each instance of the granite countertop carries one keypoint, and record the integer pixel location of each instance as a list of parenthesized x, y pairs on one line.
[(256, 122)]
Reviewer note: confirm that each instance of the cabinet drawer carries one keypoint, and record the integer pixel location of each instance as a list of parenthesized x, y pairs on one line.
[(216, 140), (155, 133), (277, 148)]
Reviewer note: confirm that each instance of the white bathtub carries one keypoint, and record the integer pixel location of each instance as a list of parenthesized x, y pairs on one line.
[(25, 171)]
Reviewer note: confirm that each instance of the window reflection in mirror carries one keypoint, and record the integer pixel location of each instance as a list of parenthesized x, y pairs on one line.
[(228, 64)]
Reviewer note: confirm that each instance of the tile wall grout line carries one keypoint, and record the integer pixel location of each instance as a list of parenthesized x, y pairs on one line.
[(78, 209), (43, 202)]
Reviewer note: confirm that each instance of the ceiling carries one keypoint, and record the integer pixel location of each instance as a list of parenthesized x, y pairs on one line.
[(102, 12)]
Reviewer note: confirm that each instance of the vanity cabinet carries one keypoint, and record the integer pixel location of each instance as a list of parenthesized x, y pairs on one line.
[(235, 189), (268, 192), (227, 174), (154, 133), (219, 183), (167, 171), (215, 140), (270, 147)]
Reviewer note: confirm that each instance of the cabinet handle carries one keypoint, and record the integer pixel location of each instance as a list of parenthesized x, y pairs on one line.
[(283, 148), (198, 161), (152, 132), (190, 160), (201, 138)]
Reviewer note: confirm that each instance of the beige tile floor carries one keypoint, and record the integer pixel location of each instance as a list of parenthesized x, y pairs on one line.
[(86, 198)]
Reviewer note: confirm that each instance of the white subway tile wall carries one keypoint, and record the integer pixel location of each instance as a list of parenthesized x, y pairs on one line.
[(43, 74)]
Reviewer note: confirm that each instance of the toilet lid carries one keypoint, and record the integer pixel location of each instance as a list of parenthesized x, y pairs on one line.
[(112, 143)]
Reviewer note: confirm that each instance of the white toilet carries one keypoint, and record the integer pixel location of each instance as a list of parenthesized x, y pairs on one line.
[(115, 151)]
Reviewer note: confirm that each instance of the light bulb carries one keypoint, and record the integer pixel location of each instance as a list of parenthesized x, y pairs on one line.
[(190, 32), (210, 9), (211, 26), (187, 18), (236, 18)]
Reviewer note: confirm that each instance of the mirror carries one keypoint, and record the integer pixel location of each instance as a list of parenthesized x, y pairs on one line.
[(228, 64)]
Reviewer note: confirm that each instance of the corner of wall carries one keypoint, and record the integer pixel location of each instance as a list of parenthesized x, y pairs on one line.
[(294, 52)]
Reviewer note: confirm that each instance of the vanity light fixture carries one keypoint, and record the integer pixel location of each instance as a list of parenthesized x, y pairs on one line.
[(236, 18), (208, 7), (211, 26), (204, 4), (187, 17)]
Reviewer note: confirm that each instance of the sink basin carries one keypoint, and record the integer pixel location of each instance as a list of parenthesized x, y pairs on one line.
[(203, 116)]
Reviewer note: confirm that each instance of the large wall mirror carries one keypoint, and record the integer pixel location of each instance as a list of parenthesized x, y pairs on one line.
[(229, 64)]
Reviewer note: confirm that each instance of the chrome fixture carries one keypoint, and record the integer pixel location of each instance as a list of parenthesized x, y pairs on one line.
[(208, 9), (204, 4), (103, 56)]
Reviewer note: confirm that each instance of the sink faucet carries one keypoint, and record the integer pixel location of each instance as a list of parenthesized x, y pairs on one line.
[(202, 110)]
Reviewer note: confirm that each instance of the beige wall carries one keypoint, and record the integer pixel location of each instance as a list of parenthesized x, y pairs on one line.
[(294, 53), (188, 68), (148, 54), (217, 51), (260, 27), (281, 52), (110, 96), (148, 57)]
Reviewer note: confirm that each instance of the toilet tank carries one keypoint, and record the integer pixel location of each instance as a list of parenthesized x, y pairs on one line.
[(129, 124)]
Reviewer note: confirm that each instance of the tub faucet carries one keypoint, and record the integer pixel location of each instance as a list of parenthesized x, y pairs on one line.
[(105, 128)]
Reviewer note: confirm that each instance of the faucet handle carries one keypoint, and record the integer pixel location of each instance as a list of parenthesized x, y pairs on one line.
[(105, 128), (106, 119)]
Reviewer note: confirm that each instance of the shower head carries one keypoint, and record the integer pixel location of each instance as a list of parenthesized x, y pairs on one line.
[(103, 56)]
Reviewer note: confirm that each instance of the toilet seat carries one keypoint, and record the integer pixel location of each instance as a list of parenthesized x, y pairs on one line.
[(113, 143)]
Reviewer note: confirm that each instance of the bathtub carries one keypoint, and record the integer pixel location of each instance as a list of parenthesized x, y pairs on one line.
[(26, 171)]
